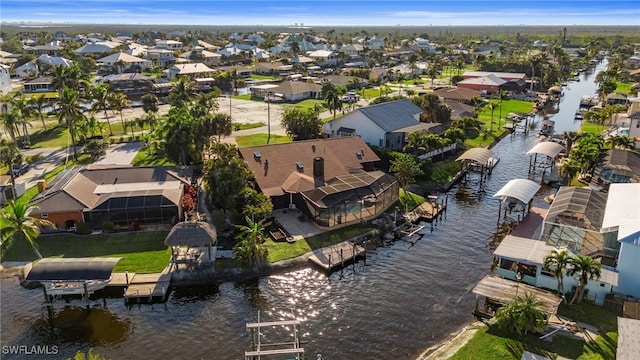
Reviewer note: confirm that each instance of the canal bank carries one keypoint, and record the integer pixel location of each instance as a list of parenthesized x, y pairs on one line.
[(407, 297)]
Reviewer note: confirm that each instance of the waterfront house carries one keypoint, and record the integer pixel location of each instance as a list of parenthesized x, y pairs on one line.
[(130, 83), (332, 181), (506, 76), (171, 45), (460, 110), (41, 84), (619, 166), (385, 125), (124, 196), (323, 57), (272, 68), (522, 259), (199, 54)]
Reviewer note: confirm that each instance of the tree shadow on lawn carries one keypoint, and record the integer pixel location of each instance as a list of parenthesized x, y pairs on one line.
[(45, 135), (559, 346)]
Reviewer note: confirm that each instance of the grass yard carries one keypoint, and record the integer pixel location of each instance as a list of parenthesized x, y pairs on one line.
[(492, 343), (444, 171), (591, 128), (307, 104), (246, 126), (260, 139), (142, 252), (283, 250), (409, 200), (242, 97), (262, 77), (623, 87), (499, 119), (145, 158)]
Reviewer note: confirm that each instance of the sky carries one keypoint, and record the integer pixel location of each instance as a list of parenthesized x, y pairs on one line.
[(327, 12)]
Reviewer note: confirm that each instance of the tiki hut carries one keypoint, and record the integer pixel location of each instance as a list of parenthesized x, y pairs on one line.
[(192, 234)]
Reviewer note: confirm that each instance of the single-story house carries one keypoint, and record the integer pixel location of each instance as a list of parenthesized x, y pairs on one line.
[(124, 196), (460, 110), (332, 181), (619, 166), (37, 50), (191, 70), (487, 85), (272, 68), (242, 72), (298, 90), (506, 76), (350, 82), (517, 255), (385, 125), (41, 84), (459, 94), (616, 99)]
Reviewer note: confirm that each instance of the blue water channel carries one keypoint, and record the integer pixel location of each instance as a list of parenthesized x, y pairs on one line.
[(406, 297)]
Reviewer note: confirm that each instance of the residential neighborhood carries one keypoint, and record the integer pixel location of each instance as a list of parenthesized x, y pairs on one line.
[(383, 189)]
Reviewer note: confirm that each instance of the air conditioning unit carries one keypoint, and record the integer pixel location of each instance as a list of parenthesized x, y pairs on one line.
[(292, 206)]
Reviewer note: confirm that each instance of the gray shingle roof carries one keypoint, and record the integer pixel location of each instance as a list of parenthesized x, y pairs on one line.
[(393, 115)]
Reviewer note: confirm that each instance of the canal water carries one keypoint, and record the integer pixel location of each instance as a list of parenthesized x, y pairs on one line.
[(406, 297)]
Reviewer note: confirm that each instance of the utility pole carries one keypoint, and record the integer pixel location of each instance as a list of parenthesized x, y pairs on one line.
[(268, 117)]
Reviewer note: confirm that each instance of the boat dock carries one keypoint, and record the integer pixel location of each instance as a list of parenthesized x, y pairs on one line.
[(335, 256), (147, 288), (260, 349), (429, 210)]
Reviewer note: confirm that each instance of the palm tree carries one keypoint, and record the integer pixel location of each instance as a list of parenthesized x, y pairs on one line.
[(471, 127), (416, 143), (38, 102), (491, 106), (101, 95), (569, 138), (21, 104), (9, 156), (557, 262), (622, 142), (569, 169), (501, 96), (181, 93), (333, 101), (10, 121), (522, 315), (250, 250), (119, 102), (18, 224), (585, 269), (69, 110)]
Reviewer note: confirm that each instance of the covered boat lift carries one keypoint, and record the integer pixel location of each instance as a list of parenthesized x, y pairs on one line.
[(72, 276), (517, 196), (549, 150), (478, 160)]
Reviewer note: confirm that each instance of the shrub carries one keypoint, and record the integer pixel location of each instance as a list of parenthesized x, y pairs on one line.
[(95, 148), (108, 227), (83, 228)]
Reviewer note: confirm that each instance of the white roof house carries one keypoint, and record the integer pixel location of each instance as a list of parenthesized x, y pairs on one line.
[(97, 47), (55, 60)]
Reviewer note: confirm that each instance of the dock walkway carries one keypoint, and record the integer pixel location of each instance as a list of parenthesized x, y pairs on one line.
[(335, 256), (148, 287)]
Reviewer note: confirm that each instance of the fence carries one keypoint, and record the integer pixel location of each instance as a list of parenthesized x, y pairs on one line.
[(436, 152)]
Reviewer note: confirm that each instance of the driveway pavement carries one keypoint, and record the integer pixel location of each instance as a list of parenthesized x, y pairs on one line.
[(120, 154)]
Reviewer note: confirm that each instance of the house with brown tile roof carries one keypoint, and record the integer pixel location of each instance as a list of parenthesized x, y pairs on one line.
[(332, 181), (117, 194), (459, 94)]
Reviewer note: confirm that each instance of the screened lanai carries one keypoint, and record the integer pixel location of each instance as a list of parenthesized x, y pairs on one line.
[(574, 220), (352, 197), (136, 207)]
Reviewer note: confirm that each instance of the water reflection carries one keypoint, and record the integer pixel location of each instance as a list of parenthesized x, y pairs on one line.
[(95, 326)]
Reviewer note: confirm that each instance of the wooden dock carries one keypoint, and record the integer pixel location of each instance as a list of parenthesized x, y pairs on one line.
[(335, 256), (120, 279), (428, 211), (147, 288)]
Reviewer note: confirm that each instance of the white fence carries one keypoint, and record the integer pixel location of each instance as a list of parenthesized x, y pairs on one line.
[(433, 153)]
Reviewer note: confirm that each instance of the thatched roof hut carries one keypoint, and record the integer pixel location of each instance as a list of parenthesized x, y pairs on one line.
[(191, 234)]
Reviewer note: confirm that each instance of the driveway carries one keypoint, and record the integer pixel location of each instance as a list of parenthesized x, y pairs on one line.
[(120, 154)]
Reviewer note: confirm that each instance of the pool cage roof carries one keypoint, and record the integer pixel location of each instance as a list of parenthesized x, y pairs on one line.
[(349, 187), (138, 200), (578, 202)]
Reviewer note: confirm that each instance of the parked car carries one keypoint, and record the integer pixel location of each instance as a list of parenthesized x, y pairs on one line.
[(19, 169), (350, 97)]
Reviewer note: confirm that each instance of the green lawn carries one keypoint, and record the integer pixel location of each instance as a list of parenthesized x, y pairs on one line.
[(409, 200), (499, 119), (142, 252), (376, 92), (260, 139), (246, 126), (492, 343), (307, 104), (144, 158), (591, 128), (283, 250), (623, 87), (262, 77), (242, 97), (444, 171)]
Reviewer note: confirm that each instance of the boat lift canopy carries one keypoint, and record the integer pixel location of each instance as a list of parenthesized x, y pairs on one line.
[(72, 269), (521, 189), (549, 148)]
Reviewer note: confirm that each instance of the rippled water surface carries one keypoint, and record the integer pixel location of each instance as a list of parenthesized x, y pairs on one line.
[(405, 299)]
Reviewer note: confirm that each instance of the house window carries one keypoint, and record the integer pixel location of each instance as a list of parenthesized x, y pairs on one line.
[(508, 265), (547, 273), (44, 215), (380, 142), (528, 270)]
